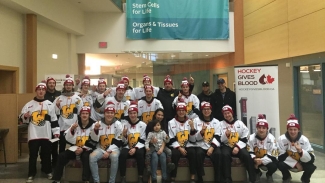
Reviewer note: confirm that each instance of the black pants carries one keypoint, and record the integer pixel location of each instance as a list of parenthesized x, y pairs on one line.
[(243, 155), (68, 155), (271, 168), (139, 155), (62, 142), (34, 146), (191, 156), (309, 169), (54, 152), (216, 160)]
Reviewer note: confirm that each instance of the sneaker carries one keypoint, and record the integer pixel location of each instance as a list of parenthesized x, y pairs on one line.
[(49, 176), (288, 180), (258, 176), (123, 179), (56, 181), (170, 167), (29, 179), (269, 178)]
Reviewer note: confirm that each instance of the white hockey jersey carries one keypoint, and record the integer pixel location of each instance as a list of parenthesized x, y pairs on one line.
[(121, 107), (192, 103), (42, 115), (238, 136), (136, 135), (108, 136), (147, 109), (179, 134), (288, 152), (80, 135), (213, 129), (69, 109), (139, 92), (266, 149)]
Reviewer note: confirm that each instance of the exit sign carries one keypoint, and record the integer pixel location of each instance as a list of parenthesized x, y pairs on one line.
[(102, 44)]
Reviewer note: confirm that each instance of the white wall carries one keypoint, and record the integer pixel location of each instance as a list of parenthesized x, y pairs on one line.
[(111, 27), (50, 41), (12, 41), (59, 13)]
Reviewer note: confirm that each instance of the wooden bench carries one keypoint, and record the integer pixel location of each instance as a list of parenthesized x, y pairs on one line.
[(73, 171)]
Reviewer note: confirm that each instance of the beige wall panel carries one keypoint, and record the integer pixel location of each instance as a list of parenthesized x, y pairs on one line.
[(267, 17), (297, 9), (253, 5), (307, 34), (268, 45)]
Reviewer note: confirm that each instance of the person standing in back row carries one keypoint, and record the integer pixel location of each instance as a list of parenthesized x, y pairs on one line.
[(205, 95), (221, 97)]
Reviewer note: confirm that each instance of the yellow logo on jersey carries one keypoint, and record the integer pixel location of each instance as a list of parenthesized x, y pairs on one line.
[(106, 140), (86, 104), (38, 118), (189, 107), (133, 139), (233, 139), (67, 112), (208, 135), (118, 114), (259, 152), (147, 116), (127, 97), (81, 140), (78, 102), (182, 137), (294, 155)]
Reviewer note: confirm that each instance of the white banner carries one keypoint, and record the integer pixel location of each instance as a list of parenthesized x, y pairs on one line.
[(59, 78), (257, 93)]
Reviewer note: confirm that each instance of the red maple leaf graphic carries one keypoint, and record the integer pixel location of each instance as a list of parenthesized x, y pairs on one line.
[(269, 79)]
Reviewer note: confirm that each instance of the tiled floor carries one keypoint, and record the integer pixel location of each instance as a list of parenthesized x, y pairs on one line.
[(17, 173)]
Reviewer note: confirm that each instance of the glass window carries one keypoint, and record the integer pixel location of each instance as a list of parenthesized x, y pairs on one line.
[(311, 103)]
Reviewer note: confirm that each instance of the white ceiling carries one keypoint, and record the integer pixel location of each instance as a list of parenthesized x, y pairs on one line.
[(96, 6)]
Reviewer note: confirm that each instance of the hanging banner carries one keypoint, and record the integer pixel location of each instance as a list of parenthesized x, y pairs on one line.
[(181, 19), (257, 93)]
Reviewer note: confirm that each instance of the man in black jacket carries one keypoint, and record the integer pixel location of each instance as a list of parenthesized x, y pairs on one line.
[(167, 95), (51, 94), (221, 97), (206, 93)]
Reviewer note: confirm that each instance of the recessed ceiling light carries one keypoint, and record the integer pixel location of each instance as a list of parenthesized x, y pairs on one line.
[(206, 55), (172, 55)]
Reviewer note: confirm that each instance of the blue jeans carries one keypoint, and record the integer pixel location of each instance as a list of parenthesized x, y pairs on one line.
[(98, 154), (154, 165)]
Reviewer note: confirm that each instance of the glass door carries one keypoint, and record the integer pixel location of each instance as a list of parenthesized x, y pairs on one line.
[(311, 103)]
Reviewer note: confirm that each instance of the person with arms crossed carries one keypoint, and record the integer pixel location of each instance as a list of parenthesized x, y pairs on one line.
[(263, 148), (295, 152)]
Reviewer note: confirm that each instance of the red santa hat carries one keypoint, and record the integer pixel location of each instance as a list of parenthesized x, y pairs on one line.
[(146, 78), (227, 108), (125, 78), (41, 85), (148, 87), (292, 122), (49, 79), (185, 82), (101, 81), (120, 85), (133, 107), (110, 106), (261, 121), (85, 109), (205, 105), (181, 105), (85, 81), (68, 79), (168, 80)]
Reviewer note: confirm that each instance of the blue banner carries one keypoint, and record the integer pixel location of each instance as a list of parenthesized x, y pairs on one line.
[(177, 19)]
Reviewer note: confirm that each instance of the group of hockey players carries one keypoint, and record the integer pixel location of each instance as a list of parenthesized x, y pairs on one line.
[(152, 125)]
